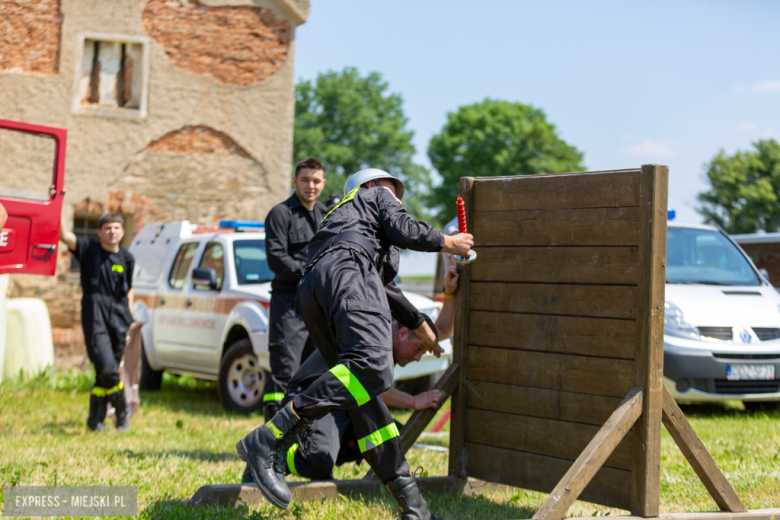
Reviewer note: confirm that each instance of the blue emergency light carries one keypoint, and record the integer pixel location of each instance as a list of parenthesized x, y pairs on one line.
[(241, 224), (669, 214)]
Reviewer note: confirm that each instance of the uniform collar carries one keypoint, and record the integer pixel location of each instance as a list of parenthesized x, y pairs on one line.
[(294, 202)]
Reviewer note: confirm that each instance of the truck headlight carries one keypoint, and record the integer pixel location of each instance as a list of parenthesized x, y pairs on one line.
[(674, 322)]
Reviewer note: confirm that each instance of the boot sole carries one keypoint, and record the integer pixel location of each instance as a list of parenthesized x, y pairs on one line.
[(243, 453)]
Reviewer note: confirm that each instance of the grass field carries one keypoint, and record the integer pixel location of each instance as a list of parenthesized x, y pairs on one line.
[(182, 439)]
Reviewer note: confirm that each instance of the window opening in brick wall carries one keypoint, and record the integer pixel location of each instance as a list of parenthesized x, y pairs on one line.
[(112, 75)]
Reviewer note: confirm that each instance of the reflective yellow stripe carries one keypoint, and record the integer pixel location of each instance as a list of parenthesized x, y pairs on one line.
[(273, 429), (276, 396), (373, 440), (103, 392), (118, 268), (291, 459), (349, 197), (347, 379)]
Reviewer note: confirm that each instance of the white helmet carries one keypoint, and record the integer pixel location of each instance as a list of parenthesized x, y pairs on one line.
[(370, 174)]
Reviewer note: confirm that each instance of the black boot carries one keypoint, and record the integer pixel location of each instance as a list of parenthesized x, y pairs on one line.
[(119, 402), (264, 450), (246, 478), (97, 413), (406, 493), (269, 410)]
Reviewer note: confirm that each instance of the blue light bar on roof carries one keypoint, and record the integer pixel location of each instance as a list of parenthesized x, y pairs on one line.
[(670, 214), (241, 224)]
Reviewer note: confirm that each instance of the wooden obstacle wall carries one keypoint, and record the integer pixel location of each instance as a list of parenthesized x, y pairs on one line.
[(560, 317)]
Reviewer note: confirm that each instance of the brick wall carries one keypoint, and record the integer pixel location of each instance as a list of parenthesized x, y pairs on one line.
[(30, 36), (236, 45)]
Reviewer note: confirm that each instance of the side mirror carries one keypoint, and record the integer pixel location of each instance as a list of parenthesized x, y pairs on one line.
[(205, 276), (764, 273)]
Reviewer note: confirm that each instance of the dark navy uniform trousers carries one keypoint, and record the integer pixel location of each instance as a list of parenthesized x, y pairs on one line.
[(343, 303)]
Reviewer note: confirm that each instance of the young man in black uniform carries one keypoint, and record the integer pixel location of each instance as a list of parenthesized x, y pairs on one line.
[(343, 302), (288, 228), (106, 313), (334, 434)]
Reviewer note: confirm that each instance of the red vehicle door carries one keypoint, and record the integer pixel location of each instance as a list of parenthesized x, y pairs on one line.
[(32, 161)]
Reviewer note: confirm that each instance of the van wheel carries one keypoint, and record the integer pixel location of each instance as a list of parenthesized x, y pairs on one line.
[(241, 379), (151, 379)]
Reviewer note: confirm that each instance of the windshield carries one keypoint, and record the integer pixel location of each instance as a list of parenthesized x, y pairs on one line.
[(251, 264), (707, 257)]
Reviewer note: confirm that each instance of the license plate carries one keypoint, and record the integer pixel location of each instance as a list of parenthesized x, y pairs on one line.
[(750, 372)]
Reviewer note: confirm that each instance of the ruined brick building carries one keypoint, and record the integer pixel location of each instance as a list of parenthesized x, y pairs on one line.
[(175, 109)]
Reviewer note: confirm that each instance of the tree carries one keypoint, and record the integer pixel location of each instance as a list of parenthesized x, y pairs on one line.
[(495, 138), (744, 190), (350, 122)]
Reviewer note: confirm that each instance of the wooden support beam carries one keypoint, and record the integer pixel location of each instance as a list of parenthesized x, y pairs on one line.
[(592, 458), (751, 514), (458, 455), (646, 484), (698, 457), (421, 418), (233, 495)]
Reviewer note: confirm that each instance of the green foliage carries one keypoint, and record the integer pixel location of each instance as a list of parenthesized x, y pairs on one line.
[(494, 138), (351, 122), (744, 190)]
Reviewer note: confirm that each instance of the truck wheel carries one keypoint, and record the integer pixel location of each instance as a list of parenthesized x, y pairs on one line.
[(150, 379), (241, 379)]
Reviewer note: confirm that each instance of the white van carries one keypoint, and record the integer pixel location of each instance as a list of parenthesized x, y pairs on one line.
[(721, 321)]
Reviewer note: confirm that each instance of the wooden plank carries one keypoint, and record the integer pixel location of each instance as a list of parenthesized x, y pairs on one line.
[(539, 402), (557, 227), (650, 354), (610, 487), (750, 514), (549, 437), (587, 375), (590, 265), (458, 461), (596, 301), (573, 190), (420, 418), (698, 457), (564, 334), (592, 458)]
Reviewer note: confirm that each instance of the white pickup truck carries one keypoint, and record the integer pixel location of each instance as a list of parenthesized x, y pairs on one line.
[(204, 294)]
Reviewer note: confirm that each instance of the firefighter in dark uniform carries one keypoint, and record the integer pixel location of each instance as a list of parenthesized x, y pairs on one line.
[(334, 434), (288, 228), (342, 300), (106, 303)]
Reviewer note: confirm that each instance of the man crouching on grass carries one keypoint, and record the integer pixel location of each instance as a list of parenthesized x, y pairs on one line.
[(106, 303)]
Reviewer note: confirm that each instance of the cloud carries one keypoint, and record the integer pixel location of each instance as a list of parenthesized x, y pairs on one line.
[(766, 86), (747, 126), (650, 149)]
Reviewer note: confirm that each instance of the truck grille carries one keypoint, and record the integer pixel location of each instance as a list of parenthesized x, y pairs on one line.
[(716, 332), (765, 334)]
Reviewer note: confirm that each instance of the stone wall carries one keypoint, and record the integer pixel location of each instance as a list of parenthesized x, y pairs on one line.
[(215, 141), (30, 36)]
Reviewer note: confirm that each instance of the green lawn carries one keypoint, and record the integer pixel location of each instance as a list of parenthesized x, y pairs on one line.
[(182, 439)]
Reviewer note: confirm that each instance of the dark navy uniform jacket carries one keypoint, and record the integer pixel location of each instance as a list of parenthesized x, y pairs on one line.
[(288, 228)]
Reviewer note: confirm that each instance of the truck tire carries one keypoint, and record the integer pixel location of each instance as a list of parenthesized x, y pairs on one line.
[(241, 379), (151, 379)]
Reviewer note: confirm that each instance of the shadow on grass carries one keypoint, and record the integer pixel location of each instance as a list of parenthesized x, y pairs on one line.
[(68, 428), (450, 506), (729, 409), (200, 455)]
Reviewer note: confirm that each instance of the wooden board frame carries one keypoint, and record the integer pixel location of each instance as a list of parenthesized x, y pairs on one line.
[(628, 260)]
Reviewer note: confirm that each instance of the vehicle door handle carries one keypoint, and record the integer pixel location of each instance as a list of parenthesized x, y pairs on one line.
[(47, 247), (161, 302), (188, 304)]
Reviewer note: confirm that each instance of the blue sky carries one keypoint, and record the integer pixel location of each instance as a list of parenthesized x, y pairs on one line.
[(627, 83)]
